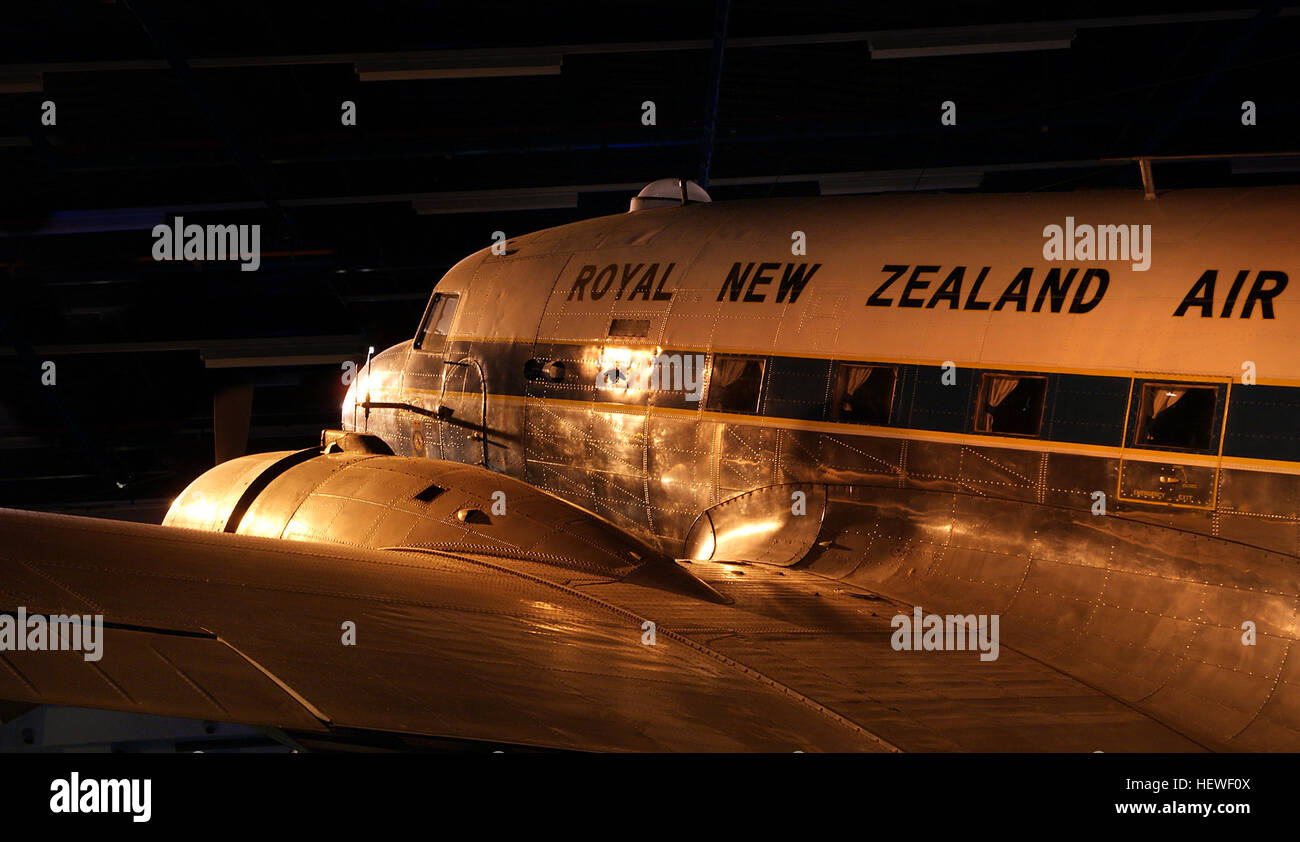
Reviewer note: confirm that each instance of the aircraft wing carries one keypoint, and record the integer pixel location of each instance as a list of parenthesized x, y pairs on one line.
[(525, 651)]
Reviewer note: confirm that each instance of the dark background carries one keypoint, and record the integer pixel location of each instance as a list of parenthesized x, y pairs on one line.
[(230, 113)]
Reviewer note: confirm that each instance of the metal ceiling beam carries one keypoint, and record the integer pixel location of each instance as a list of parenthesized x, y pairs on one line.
[(1240, 162), (481, 66), (961, 41), (721, 15)]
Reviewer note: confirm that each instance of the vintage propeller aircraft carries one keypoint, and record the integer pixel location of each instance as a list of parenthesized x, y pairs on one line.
[(891, 473)]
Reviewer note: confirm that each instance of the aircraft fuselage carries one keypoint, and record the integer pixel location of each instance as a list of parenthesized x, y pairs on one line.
[(1081, 350)]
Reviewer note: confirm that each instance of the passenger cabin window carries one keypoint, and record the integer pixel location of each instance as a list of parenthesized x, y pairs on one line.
[(437, 323), (1177, 416), (864, 394), (1010, 404), (736, 383)]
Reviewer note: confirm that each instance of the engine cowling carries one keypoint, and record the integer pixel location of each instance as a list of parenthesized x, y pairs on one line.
[(353, 491)]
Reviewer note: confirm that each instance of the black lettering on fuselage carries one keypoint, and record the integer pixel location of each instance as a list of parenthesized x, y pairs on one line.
[(971, 302), (875, 300), (1263, 296), (1053, 290), (760, 277), (794, 280), (612, 271), (735, 281), (1201, 295), (660, 295), (915, 283), (1017, 291), (1054, 286), (602, 281), (579, 283), (642, 287), (1078, 305), (1205, 300), (949, 290), (628, 274), (1233, 292)]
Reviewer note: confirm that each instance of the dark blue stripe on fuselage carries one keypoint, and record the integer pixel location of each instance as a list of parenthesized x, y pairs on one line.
[(1263, 421)]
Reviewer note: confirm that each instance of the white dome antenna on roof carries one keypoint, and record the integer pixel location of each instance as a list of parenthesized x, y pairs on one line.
[(667, 192)]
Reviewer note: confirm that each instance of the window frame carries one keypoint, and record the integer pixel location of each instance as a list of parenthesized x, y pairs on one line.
[(429, 312), (1139, 423), (837, 399), (981, 393), (707, 403)]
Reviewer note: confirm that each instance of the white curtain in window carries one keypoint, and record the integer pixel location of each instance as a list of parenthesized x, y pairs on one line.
[(999, 388), (857, 375), (727, 370), (1165, 398)]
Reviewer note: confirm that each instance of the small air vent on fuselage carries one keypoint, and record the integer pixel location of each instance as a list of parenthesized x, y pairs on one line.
[(430, 493), (629, 327)]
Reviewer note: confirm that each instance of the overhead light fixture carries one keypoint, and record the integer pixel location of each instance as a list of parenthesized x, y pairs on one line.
[(969, 40), (473, 66)]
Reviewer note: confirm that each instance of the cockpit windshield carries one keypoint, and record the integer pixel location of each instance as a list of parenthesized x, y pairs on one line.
[(437, 322)]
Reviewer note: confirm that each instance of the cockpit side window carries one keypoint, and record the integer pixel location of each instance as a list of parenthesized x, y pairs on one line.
[(437, 322)]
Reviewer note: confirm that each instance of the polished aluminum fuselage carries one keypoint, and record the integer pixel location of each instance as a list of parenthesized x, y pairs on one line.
[(708, 280)]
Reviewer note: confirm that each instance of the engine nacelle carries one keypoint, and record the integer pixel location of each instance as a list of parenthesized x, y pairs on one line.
[(353, 492)]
